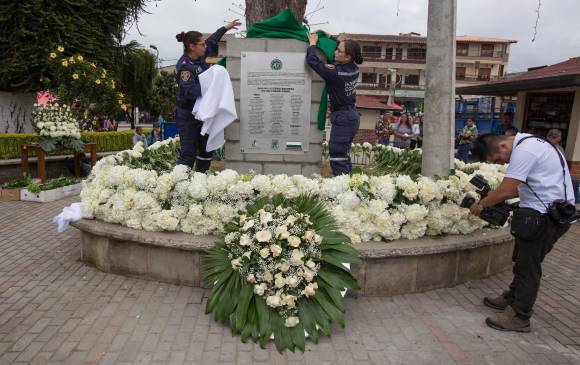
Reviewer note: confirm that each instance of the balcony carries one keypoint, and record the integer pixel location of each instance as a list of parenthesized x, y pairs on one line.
[(500, 55), (377, 57), (380, 86), (474, 78)]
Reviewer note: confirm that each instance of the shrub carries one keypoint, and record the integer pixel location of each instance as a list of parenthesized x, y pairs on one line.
[(106, 141)]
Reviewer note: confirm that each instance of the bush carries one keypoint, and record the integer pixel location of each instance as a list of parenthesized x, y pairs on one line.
[(106, 141)]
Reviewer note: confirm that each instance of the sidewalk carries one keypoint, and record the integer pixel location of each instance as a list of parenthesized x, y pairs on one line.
[(56, 310)]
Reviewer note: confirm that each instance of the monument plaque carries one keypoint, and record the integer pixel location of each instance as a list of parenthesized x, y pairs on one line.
[(274, 103)]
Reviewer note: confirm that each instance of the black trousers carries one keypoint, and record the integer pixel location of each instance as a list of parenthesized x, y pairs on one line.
[(192, 143), (528, 257)]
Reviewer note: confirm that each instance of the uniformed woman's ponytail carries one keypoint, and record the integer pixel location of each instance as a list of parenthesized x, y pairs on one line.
[(352, 49), (191, 37)]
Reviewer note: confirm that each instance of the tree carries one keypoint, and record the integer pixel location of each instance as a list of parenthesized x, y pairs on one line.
[(30, 29), (257, 10), (163, 95), (136, 73)]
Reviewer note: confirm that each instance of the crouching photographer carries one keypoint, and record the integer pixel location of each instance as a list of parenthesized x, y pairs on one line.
[(538, 174)]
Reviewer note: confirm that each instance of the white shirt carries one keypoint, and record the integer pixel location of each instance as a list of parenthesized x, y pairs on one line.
[(536, 161), (215, 107)]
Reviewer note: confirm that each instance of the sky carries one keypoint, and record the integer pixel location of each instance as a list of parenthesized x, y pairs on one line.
[(557, 38)]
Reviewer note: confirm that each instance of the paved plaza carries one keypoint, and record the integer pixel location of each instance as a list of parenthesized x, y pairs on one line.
[(56, 310)]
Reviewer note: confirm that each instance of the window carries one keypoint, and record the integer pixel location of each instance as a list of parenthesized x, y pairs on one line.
[(484, 74), (389, 53), (371, 52), (460, 73), (412, 80), (369, 78), (418, 53), (399, 54), (462, 49), (486, 50)]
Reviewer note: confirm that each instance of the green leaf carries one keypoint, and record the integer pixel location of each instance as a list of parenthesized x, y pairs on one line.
[(337, 278), (328, 306), (307, 319), (298, 338), (246, 295), (264, 326)]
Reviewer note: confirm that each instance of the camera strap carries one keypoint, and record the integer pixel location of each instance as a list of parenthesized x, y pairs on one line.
[(561, 163)]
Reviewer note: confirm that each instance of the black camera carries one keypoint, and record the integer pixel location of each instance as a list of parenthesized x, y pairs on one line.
[(563, 212), (496, 215)]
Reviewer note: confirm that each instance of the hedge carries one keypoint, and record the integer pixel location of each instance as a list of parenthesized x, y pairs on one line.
[(106, 141)]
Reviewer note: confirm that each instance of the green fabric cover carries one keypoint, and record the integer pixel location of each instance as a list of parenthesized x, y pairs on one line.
[(285, 26)]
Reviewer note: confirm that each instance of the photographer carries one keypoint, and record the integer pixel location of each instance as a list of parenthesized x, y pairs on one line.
[(538, 174)]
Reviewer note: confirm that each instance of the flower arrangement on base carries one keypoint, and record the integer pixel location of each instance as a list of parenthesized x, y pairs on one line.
[(57, 127), (279, 270)]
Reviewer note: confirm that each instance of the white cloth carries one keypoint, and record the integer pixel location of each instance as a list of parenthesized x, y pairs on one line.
[(72, 213), (536, 161), (215, 107)]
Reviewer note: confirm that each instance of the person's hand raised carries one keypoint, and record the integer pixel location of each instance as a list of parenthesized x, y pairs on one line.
[(234, 24), (312, 38)]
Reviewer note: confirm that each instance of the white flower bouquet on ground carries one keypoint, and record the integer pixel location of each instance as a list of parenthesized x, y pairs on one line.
[(279, 270)]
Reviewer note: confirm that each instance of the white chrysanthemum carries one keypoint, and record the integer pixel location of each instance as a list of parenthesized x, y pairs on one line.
[(383, 188), (348, 199), (283, 184), (263, 236), (330, 188), (180, 173), (305, 185), (414, 212), (414, 230), (263, 185), (428, 190), (408, 186), (198, 186)]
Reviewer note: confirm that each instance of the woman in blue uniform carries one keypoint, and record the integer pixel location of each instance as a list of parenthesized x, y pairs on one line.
[(187, 69), (341, 80)]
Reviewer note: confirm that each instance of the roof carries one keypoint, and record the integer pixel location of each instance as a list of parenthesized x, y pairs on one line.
[(374, 102), (563, 74), (419, 39)]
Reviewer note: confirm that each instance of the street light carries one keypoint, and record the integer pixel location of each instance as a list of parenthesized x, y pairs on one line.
[(152, 46)]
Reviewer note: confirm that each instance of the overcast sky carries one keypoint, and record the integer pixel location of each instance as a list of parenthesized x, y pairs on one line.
[(557, 39)]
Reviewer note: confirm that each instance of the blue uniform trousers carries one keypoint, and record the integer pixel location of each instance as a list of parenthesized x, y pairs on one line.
[(345, 124), (192, 143)]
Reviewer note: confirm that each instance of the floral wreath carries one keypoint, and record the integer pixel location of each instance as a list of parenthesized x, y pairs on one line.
[(279, 271)]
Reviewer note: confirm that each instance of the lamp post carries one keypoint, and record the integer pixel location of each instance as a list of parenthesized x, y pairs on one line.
[(152, 46)]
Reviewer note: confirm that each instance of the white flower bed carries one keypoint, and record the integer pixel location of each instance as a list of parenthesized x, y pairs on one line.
[(365, 207), (55, 121)]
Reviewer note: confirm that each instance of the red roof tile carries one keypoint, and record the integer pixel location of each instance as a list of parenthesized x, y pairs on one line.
[(569, 67), (374, 102)]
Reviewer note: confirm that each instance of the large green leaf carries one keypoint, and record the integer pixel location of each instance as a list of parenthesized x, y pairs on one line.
[(337, 278), (246, 295), (328, 306), (307, 319), (264, 326)]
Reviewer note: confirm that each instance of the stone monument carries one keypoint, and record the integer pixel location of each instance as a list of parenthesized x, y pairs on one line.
[(277, 100)]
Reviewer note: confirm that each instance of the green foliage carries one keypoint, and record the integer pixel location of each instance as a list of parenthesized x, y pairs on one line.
[(232, 300), (406, 162), (33, 188), (17, 183), (106, 141), (31, 29), (161, 159), (59, 183), (162, 98), (80, 83)]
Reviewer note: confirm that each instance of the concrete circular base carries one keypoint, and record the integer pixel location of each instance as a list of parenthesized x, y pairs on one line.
[(388, 268)]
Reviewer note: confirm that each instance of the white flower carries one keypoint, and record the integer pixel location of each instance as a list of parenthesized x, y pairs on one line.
[(245, 240), (139, 147), (294, 241), (260, 289), (290, 220), (268, 277), (289, 301), (273, 301), (309, 235), (265, 217), (296, 257), (236, 263), (251, 278), (264, 236), (292, 281), (308, 275), (283, 266), (276, 250), (265, 252), (279, 281), (311, 264), (291, 322), (281, 231), (249, 224), (310, 289)]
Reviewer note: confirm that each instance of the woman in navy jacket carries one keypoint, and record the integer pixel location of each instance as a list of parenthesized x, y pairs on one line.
[(187, 69), (341, 80)]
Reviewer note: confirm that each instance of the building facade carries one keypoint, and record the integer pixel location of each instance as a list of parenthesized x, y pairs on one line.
[(394, 68)]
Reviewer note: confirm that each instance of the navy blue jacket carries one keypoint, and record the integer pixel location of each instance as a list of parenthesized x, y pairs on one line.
[(341, 79), (186, 71)]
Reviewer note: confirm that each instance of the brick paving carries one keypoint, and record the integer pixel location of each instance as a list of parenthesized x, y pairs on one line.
[(56, 310)]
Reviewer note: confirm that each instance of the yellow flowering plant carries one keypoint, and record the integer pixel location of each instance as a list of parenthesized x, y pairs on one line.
[(81, 83)]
